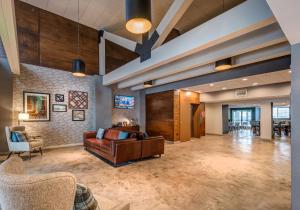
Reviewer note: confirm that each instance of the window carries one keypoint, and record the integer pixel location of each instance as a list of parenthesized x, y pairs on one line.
[(281, 112)]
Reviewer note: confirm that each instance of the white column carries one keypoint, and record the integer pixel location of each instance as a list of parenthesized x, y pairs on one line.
[(266, 121), (295, 107)]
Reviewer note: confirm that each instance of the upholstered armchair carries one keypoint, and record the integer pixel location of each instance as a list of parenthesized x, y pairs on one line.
[(53, 191), (31, 145), (18, 191)]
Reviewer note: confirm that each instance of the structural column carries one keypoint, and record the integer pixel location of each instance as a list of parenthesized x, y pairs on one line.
[(295, 107), (266, 121)]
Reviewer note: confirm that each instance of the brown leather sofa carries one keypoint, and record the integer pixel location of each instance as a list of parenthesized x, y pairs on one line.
[(116, 151)]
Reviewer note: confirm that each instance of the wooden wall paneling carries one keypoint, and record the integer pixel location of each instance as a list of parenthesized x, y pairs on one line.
[(27, 20), (176, 115), (185, 113), (50, 40), (159, 114), (202, 118), (58, 41), (116, 56)]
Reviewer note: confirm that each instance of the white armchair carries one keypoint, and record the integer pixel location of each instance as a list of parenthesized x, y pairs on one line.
[(33, 144)]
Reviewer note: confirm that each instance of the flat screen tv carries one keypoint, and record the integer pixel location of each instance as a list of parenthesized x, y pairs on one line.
[(124, 102)]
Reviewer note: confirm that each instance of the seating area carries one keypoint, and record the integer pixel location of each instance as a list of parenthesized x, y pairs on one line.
[(134, 145), (143, 104)]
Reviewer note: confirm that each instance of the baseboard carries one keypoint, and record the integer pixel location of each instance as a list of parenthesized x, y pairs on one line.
[(63, 146), (214, 134)]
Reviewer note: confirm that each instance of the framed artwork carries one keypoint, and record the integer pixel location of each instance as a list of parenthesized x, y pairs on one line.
[(78, 100), (37, 105), (59, 98), (59, 107), (78, 115)]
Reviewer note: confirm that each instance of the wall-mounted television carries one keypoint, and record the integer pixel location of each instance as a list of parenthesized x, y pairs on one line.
[(124, 102)]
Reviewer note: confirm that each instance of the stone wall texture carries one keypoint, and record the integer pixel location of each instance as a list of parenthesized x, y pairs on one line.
[(60, 130)]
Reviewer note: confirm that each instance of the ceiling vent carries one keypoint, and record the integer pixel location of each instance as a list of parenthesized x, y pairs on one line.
[(241, 93)]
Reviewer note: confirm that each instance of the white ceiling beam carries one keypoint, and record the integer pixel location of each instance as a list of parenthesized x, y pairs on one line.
[(287, 15), (258, 39), (126, 43), (173, 15), (241, 60), (8, 33), (246, 17)]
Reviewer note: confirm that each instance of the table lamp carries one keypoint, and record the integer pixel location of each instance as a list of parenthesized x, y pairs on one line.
[(22, 117)]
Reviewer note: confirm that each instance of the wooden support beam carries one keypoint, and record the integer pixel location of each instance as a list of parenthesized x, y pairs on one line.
[(255, 14), (173, 15), (8, 33)]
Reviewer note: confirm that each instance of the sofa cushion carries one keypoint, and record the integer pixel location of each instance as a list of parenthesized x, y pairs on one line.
[(93, 142), (106, 146), (112, 134), (100, 133)]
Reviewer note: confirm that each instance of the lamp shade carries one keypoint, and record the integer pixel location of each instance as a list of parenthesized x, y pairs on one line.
[(23, 116), (224, 64), (138, 16), (78, 68)]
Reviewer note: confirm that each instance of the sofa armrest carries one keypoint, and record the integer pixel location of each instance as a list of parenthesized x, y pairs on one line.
[(153, 146), (129, 149), (89, 134)]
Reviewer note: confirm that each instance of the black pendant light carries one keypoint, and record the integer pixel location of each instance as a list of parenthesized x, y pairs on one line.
[(78, 65), (148, 84), (224, 64), (138, 16)]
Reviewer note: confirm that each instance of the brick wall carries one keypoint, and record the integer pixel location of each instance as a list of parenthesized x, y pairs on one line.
[(61, 129)]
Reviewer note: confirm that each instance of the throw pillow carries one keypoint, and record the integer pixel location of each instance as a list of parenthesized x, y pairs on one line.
[(14, 137), (123, 135), (100, 133), (84, 199), (133, 135), (19, 135)]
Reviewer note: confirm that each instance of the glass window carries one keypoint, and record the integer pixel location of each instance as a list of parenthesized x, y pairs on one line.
[(281, 112)]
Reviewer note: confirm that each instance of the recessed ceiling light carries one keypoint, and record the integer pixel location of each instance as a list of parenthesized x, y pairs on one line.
[(245, 79), (255, 83), (290, 71), (224, 88), (211, 84)]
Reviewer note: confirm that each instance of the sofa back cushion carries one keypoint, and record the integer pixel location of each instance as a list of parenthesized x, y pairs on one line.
[(111, 134)]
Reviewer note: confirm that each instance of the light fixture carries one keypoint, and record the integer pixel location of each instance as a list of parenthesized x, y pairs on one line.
[(224, 88), (188, 93), (223, 64), (78, 65), (138, 16), (255, 83), (148, 84), (245, 79), (22, 116), (211, 84), (290, 71)]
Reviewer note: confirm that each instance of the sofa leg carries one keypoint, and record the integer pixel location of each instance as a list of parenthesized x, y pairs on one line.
[(41, 151), (10, 153)]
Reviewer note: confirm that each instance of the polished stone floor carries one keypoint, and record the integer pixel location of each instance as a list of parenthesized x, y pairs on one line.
[(214, 172)]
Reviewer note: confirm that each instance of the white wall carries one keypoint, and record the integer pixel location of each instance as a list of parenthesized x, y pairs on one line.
[(258, 93), (213, 119), (266, 121)]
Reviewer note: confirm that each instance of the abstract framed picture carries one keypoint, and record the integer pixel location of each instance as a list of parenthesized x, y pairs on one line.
[(59, 98), (59, 107), (78, 115), (78, 100), (37, 105)]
